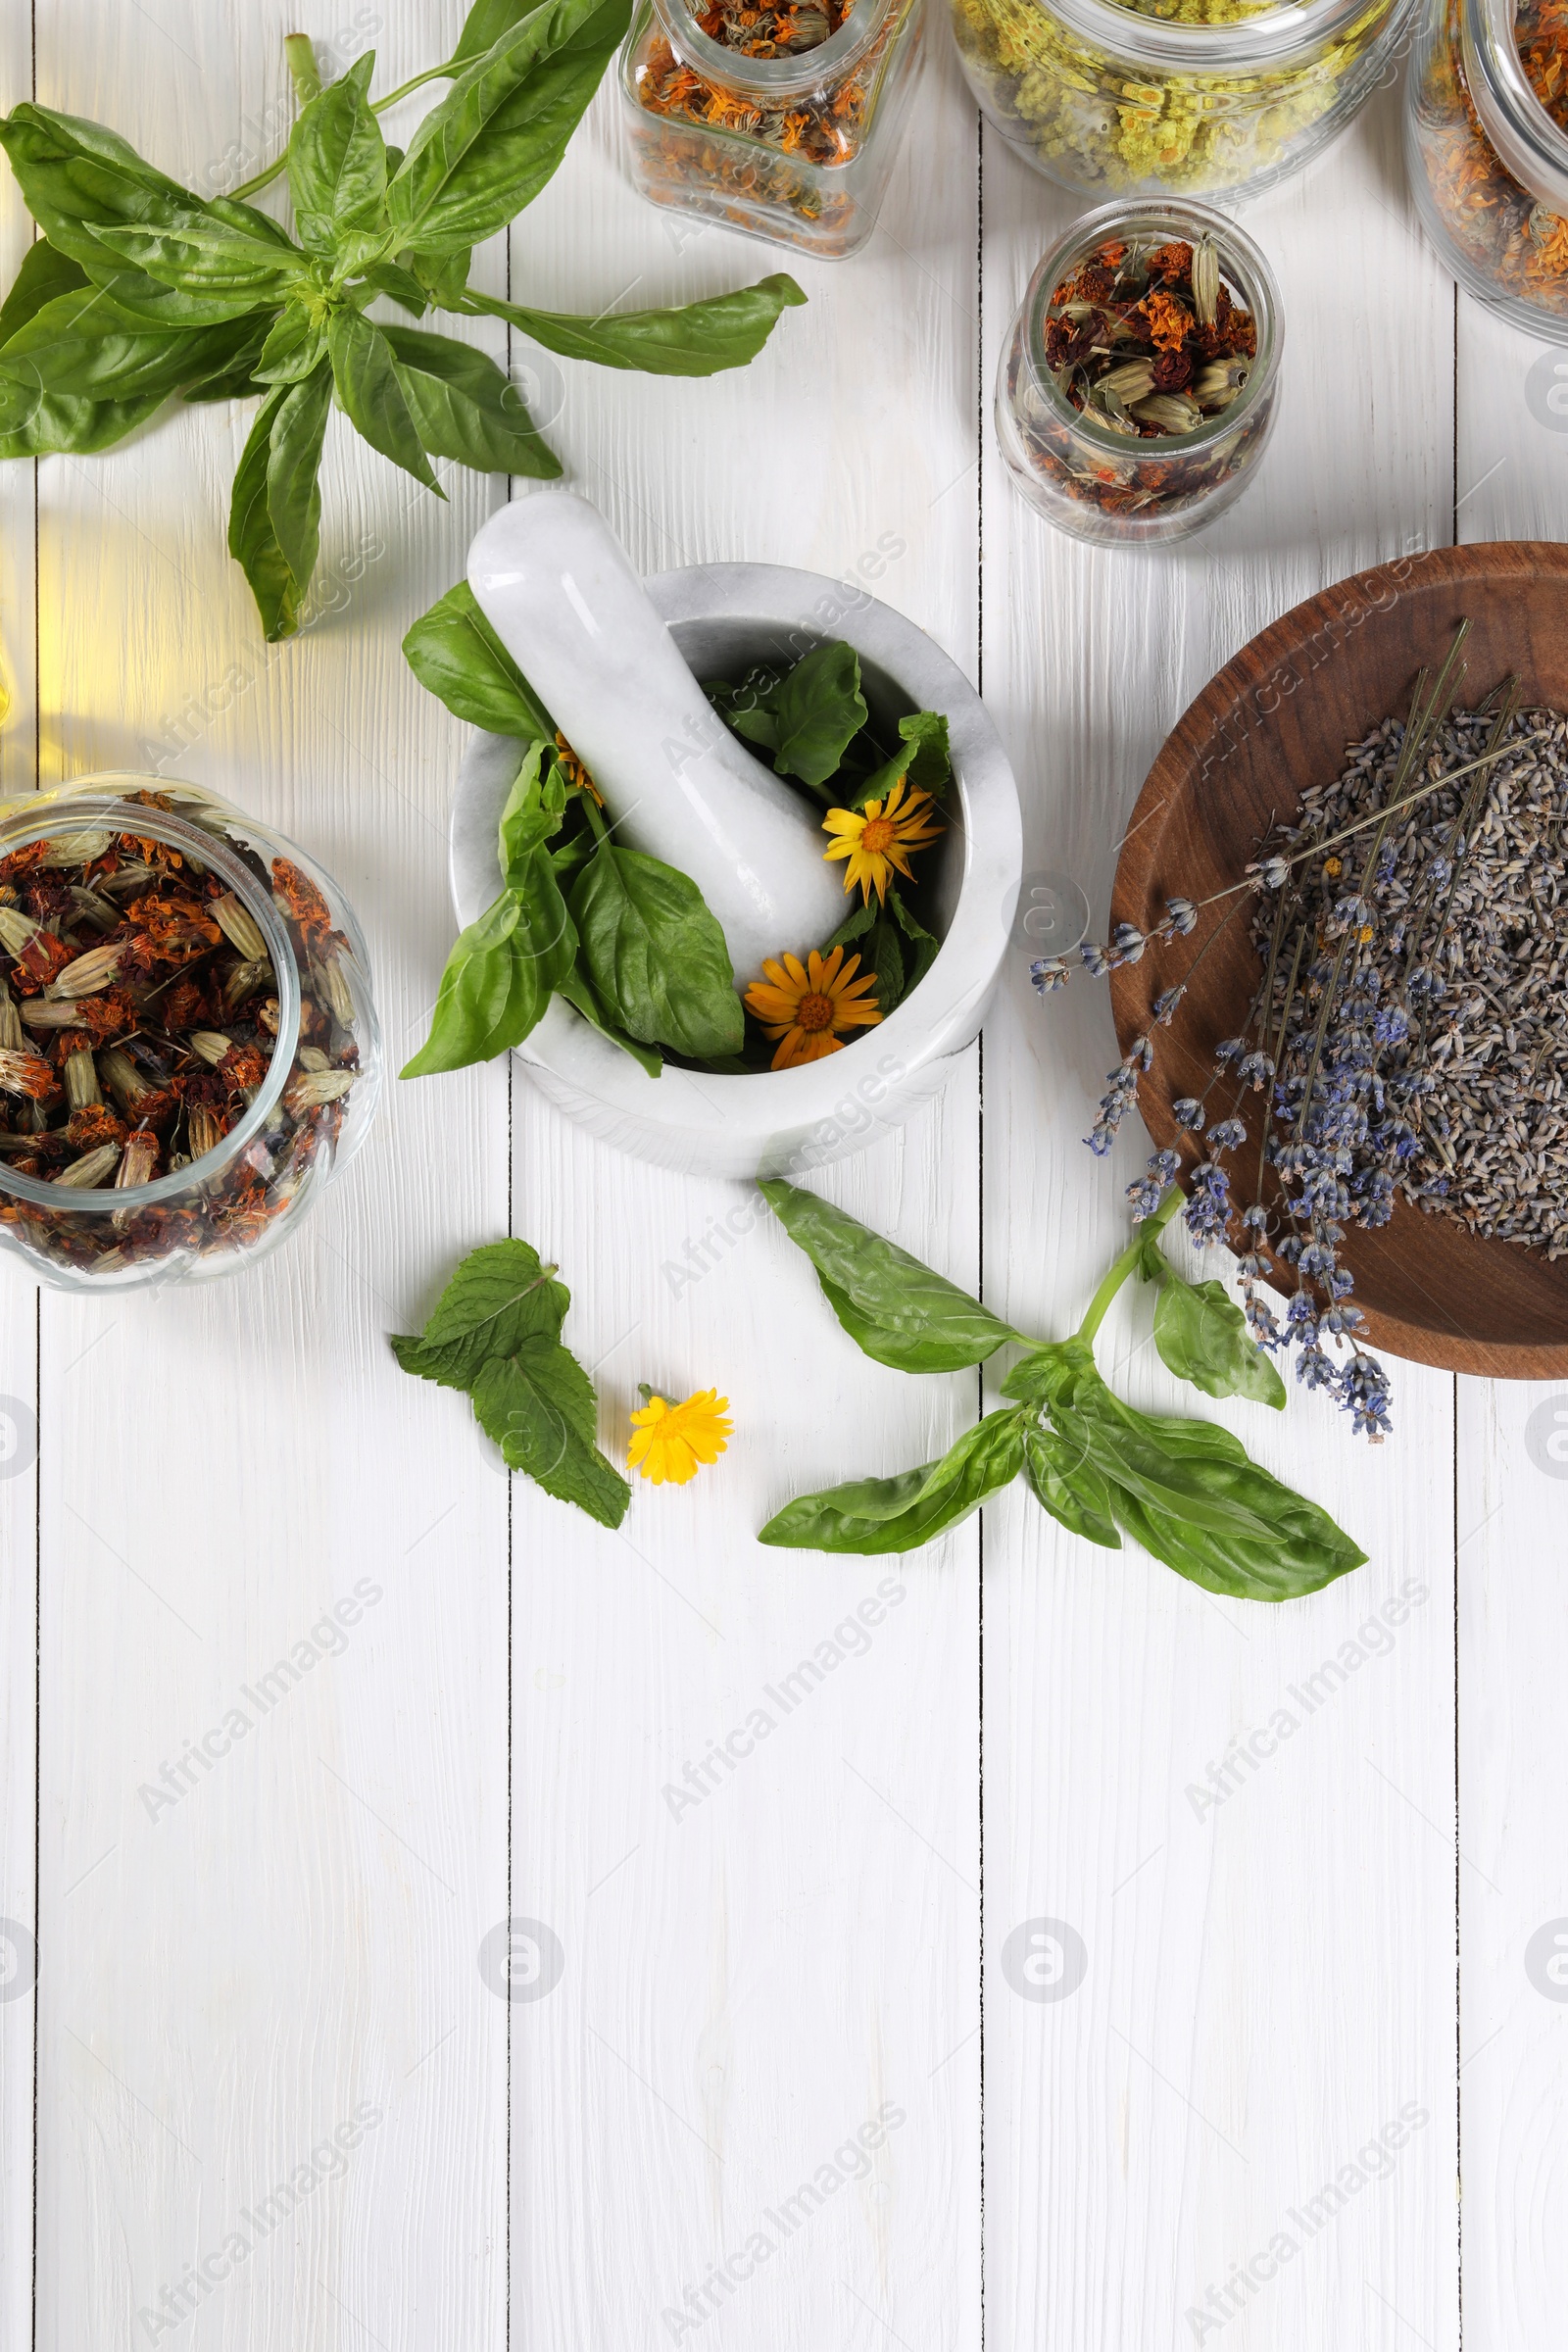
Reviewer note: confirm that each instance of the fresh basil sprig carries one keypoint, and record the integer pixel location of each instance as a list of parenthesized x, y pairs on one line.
[(140, 289), (496, 1333), (1186, 1490), (626, 939)]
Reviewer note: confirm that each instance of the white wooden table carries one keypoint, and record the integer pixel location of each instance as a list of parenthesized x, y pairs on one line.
[(840, 1945)]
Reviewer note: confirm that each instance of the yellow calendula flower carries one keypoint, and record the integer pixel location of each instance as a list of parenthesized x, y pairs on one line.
[(878, 838), (804, 1006), (670, 1440)]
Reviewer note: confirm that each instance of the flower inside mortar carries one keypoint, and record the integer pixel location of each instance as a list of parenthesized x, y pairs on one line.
[(804, 1006), (877, 839), (669, 1440)]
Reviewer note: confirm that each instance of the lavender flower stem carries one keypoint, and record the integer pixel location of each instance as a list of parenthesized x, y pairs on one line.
[(1128, 1259)]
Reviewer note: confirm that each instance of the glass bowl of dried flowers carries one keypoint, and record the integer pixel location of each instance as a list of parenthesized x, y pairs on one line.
[(1137, 389), (1487, 143), (188, 1045), (834, 1044)]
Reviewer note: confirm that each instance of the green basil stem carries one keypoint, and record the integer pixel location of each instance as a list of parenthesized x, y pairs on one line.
[(595, 824), (1125, 1265), (306, 74), (378, 106)]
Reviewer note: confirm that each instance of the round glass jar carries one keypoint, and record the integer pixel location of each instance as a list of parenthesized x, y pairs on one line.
[(1183, 96), (1082, 472), (1488, 162), (216, 1009), (795, 147)]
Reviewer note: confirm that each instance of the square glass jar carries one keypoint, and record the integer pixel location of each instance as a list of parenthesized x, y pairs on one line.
[(796, 148), (1115, 486)]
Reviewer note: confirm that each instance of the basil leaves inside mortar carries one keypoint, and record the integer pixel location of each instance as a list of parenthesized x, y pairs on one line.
[(624, 937)]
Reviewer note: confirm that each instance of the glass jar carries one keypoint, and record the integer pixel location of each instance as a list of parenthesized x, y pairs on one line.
[(796, 146), (1079, 470), (208, 987), (1488, 163), (1171, 96)]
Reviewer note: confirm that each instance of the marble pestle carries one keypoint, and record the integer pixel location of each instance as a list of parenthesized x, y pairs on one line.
[(555, 584)]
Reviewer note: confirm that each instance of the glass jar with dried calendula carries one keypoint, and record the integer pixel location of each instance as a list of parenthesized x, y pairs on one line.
[(1487, 139), (1137, 387), (780, 117), (1174, 96), (188, 1046)]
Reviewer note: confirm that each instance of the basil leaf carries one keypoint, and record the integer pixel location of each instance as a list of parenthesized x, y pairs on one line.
[(1202, 1334), (819, 709), (1071, 1489), (76, 177), (500, 975), (897, 1514), (887, 962), (44, 274), (295, 346), (1192, 1496), (532, 813), (365, 372), (492, 143), (293, 464), (337, 166), (904, 1314), (454, 652), (921, 759), (1047, 1372), (925, 947), (35, 423), (498, 1297), (1307, 1553), (698, 339), (198, 255), (537, 1403), (486, 22), (83, 344), (390, 277), (463, 406), (578, 990), (253, 541), (656, 955), (443, 276), (233, 377)]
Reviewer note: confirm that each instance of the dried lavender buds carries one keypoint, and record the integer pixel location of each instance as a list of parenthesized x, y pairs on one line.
[(139, 1025), (1463, 943)]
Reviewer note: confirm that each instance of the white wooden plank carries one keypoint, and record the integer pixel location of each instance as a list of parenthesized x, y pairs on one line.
[(234, 1978), (18, 1386), (1268, 1986), (1511, 466), (752, 1979)]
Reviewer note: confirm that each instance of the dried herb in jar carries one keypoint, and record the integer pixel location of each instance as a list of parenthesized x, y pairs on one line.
[(138, 1024), (1497, 223), (1150, 343)]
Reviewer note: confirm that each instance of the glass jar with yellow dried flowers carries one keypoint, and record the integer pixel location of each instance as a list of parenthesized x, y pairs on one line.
[(1137, 389), (188, 1046), (1487, 138), (780, 119), (1166, 96)]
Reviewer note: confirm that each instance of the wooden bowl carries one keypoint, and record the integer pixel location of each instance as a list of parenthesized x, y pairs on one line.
[(1278, 717)]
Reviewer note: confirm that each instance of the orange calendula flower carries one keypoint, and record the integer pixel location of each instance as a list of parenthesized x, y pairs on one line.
[(804, 1006), (671, 1442), (571, 768), (878, 838)]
